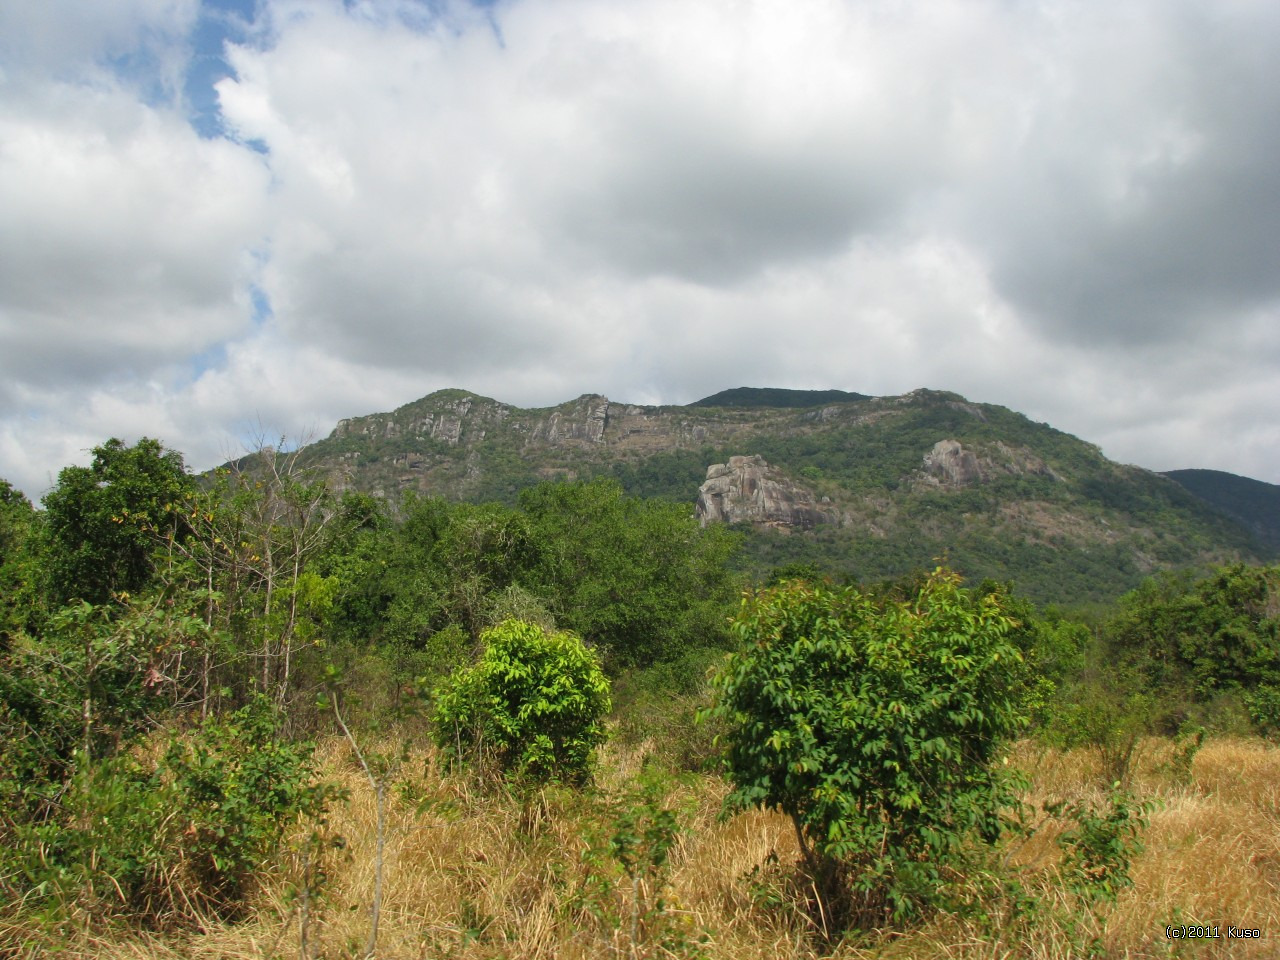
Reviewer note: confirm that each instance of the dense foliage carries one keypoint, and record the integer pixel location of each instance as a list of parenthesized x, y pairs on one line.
[(874, 723), (533, 705), (102, 519), (1221, 633), (638, 579)]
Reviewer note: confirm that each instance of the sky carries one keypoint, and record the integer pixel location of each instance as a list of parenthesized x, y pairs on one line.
[(235, 220)]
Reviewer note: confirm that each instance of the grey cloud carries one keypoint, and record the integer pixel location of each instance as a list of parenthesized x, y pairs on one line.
[(1146, 204), (709, 211), (126, 238)]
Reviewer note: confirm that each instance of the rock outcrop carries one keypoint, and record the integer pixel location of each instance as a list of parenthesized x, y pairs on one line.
[(748, 489), (584, 420), (951, 464)]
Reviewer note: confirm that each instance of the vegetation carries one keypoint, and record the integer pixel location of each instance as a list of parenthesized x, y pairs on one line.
[(214, 697), (1251, 502), (774, 397), (875, 723), (533, 705), (1050, 513)]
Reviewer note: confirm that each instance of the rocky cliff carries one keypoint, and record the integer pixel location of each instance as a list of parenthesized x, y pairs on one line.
[(950, 463)]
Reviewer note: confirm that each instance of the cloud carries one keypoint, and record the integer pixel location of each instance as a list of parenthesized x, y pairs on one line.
[(1140, 200), (1069, 209), (126, 240)]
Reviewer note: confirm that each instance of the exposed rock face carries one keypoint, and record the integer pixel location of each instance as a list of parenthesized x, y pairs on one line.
[(748, 489), (585, 420), (952, 464), (443, 424)]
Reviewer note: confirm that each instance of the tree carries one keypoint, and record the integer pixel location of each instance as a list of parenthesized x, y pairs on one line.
[(874, 723), (638, 577), (104, 521), (21, 576), (356, 554), (1221, 633), (534, 704)]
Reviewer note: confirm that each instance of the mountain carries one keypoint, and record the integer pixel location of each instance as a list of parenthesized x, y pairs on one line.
[(776, 397), (851, 484), (1254, 504)]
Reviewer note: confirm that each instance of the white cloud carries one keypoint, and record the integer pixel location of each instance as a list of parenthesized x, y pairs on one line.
[(1069, 209)]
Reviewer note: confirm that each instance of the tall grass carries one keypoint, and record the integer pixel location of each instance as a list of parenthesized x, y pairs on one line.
[(475, 873)]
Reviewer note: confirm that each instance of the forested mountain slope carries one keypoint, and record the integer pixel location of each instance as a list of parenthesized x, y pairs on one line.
[(1253, 503), (860, 486)]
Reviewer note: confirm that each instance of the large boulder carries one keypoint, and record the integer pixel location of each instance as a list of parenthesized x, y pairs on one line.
[(747, 489)]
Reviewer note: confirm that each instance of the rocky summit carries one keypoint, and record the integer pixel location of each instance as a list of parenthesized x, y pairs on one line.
[(852, 484)]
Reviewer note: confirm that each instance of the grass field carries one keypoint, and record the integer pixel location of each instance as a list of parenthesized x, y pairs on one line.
[(473, 874)]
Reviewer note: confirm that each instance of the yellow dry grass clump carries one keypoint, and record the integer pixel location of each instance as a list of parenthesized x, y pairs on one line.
[(473, 874)]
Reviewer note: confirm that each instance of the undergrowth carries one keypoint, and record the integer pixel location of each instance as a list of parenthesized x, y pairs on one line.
[(643, 865)]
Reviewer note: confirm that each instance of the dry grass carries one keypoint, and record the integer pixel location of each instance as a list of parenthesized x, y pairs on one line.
[(473, 875)]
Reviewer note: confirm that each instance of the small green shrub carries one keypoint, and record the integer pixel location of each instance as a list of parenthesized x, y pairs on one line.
[(533, 705), (1108, 719), (1264, 709), (173, 841), (1099, 847), (111, 851), (238, 784), (645, 830)]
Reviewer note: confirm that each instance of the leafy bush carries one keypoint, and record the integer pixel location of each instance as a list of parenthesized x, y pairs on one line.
[(533, 704), (1264, 709), (873, 722), (237, 786), (1109, 719), (110, 850), (1218, 634), (1099, 847), (174, 840)]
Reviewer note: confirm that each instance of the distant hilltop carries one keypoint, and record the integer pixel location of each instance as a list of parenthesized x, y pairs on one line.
[(776, 397)]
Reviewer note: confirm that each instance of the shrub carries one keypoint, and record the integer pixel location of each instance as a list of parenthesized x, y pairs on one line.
[(237, 785), (1264, 709), (873, 722), (177, 840), (1099, 847), (1108, 718), (533, 704)]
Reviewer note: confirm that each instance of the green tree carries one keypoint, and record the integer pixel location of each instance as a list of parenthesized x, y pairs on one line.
[(447, 573), (1200, 640), (874, 723), (356, 555), (638, 577), (104, 521), (21, 571), (534, 705)]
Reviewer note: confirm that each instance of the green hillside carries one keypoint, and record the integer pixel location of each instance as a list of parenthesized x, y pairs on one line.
[(1021, 501), (1253, 503)]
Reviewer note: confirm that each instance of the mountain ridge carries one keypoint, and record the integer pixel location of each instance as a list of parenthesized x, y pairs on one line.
[(884, 484)]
